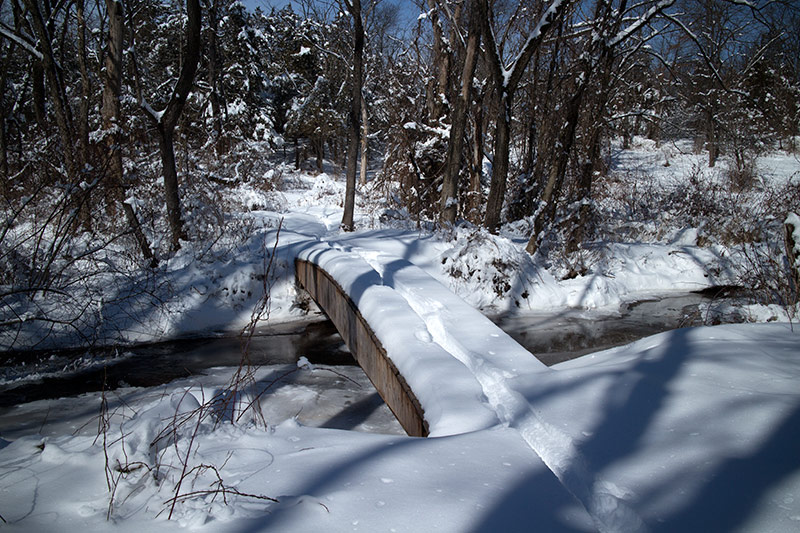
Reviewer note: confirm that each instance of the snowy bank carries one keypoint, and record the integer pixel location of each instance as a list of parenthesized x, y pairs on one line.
[(689, 430)]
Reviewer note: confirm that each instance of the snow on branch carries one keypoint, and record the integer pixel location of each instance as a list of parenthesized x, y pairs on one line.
[(11, 35), (454, 22), (641, 21), (706, 59), (513, 72), (152, 113)]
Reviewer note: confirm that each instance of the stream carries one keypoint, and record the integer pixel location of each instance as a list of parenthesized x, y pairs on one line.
[(343, 396)]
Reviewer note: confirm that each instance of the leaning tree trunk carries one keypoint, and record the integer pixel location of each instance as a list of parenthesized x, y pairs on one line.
[(586, 180), (555, 178), (354, 6)]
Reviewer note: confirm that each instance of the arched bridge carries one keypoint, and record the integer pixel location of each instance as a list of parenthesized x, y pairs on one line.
[(440, 365)]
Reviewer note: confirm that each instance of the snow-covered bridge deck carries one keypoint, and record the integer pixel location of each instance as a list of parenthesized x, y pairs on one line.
[(440, 365)]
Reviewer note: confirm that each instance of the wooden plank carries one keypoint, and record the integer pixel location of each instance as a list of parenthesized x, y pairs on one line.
[(364, 345)]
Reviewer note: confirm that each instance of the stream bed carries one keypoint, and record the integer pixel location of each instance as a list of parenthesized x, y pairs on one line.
[(337, 394)]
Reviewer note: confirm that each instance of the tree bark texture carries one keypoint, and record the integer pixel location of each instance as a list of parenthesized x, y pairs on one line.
[(455, 144), (354, 6), (497, 188), (475, 195), (112, 121), (165, 124)]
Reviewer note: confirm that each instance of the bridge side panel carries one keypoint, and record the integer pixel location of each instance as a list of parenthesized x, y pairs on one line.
[(364, 346)]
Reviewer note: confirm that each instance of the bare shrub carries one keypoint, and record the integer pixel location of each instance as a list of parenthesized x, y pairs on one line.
[(768, 270), (170, 455), (58, 272)]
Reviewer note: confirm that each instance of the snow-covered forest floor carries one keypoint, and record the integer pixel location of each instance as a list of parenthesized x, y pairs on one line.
[(658, 229), (686, 430)]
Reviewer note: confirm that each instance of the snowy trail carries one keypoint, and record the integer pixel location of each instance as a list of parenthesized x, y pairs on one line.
[(454, 326)]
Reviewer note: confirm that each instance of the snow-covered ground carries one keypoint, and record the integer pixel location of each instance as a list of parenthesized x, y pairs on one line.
[(694, 429)]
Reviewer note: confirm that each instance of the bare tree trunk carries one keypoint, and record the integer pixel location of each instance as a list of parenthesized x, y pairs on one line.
[(83, 106), (713, 142), (319, 151), (354, 6), (83, 115), (584, 191), (166, 122), (497, 188), (57, 93), (3, 143), (506, 80), (364, 147), (547, 204), (112, 119), (791, 255), (38, 90), (585, 183), (599, 57), (437, 102), (167, 150), (213, 74), (449, 198), (4, 171), (475, 199)]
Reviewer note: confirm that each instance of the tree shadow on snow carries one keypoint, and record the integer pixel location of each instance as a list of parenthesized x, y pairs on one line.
[(634, 399)]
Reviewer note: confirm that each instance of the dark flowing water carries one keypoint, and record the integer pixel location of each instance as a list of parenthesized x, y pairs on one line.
[(56, 374), (551, 338), (554, 338)]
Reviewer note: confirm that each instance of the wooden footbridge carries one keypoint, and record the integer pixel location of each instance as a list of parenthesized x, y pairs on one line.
[(433, 359), (364, 345), (441, 367)]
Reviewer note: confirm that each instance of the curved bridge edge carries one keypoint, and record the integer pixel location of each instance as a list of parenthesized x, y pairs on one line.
[(364, 345)]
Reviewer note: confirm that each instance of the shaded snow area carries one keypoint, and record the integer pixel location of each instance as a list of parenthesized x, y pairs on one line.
[(696, 429), (690, 430)]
